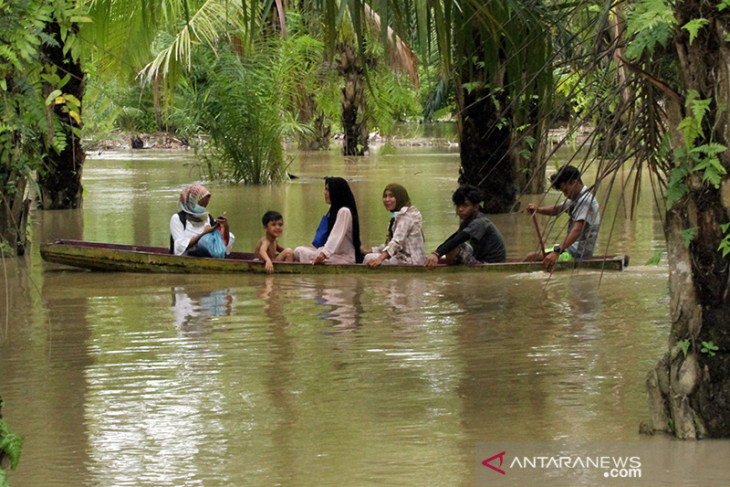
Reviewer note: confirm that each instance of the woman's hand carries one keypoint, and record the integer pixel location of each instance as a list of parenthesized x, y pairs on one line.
[(320, 259), (223, 222), (378, 260)]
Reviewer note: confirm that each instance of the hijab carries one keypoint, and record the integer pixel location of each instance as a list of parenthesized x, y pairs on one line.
[(401, 195), (341, 196), (401, 199), (190, 198)]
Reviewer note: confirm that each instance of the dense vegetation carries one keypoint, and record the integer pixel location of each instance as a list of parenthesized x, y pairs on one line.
[(11, 445)]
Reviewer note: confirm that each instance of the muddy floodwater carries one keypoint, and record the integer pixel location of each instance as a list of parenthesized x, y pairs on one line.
[(376, 379)]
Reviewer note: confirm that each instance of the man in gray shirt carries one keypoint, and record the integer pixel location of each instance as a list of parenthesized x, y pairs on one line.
[(582, 207)]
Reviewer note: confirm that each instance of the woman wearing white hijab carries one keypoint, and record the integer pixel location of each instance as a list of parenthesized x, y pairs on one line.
[(193, 221)]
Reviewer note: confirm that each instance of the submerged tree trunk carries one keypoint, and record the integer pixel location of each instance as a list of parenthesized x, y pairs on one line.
[(689, 389), (354, 108), (528, 149), (60, 184), (484, 142)]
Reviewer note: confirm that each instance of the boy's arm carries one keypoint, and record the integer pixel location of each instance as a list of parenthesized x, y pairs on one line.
[(262, 250), (552, 257), (449, 244), (574, 234), (452, 242), (264, 255), (279, 248), (544, 210)]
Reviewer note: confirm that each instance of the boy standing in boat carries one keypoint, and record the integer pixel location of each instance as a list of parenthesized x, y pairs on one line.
[(268, 248), (582, 207), (477, 241)]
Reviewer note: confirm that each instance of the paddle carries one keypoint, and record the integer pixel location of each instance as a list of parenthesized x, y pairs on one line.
[(539, 235)]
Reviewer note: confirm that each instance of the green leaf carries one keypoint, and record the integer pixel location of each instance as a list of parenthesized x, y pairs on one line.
[(724, 246), (677, 188), (684, 346), (656, 258), (688, 236), (52, 96), (693, 26), (709, 348)]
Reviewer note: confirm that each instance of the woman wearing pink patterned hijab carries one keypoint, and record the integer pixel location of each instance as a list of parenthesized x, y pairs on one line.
[(193, 221), (193, 200)]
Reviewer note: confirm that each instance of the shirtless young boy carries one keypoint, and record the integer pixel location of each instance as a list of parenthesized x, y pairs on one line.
[(268, 248)]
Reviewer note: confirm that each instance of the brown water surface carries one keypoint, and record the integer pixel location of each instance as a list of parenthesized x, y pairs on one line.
[(162, 380)]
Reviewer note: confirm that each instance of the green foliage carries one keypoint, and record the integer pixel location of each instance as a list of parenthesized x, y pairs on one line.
[(709, 348), (688, 236), (11, 446), (23, 115), (677, 188), (724, 246), (656, 258), (651, 23), (692, 158), (693, 27), (691, 126), (239, 107), (684, 346), (393, 100), (437, 96), (706, 160)]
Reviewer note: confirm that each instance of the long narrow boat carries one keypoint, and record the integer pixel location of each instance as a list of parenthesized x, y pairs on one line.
[(133, 258)]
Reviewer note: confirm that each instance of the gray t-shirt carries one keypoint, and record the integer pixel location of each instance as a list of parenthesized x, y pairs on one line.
[(485, 239), (585, 208)]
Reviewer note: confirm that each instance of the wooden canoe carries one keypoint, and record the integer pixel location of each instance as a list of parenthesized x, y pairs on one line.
[(133, 258)]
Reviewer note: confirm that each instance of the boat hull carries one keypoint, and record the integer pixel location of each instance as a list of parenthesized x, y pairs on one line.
[(132, 258)]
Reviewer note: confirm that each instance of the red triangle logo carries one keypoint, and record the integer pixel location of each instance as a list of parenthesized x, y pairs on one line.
[(501, 459)]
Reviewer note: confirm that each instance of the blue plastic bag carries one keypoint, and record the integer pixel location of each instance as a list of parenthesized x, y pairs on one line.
[(213, 243), (320, 236)]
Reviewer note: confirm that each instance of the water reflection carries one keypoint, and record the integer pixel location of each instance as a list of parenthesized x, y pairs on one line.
[(196, 310), (337, 300)]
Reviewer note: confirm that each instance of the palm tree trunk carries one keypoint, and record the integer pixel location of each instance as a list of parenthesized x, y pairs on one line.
[(689, 389), (60, 184), (484, 142), (528, 148), (354, 108)]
